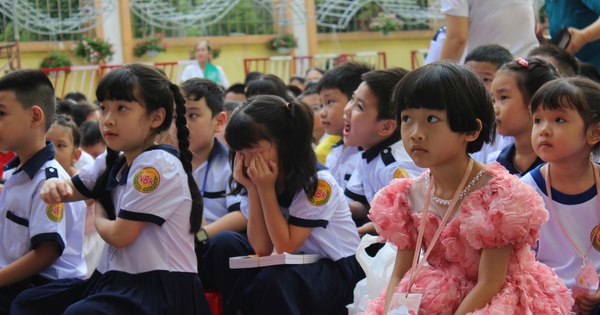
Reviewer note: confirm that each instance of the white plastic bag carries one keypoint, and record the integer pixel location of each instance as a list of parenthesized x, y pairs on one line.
[(378, 271)]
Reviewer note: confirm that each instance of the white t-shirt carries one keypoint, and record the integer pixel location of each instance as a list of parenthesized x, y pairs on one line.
[(508, 23), (194, 71), (341, 162)]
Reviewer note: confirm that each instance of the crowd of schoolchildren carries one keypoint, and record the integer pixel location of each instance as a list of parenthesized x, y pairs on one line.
[(482, 175)]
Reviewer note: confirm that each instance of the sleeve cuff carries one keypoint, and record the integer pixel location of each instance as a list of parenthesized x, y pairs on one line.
[(48, 237), (234, 207), (307, 223), (356, 197), (144, 217), (81, 187)]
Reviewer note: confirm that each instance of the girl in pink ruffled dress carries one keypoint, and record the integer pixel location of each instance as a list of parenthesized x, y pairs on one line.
[(480, 261)]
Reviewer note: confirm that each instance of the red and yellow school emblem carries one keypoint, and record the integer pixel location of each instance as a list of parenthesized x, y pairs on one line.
[(595, 238), (401, 173), (322, 194), (146, 180), (55, 212)]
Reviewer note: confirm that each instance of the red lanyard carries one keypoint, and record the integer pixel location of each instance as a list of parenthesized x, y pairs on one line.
[(414, 271), (549, 192)]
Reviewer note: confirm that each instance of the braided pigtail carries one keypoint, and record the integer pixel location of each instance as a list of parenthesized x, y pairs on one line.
[(99, 192), (185, 156)]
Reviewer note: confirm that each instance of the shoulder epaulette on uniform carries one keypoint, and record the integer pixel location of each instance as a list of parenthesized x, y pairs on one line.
[(387, 157), (51, 172)]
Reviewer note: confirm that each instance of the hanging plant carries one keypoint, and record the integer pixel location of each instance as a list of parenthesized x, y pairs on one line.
[(282, 41), (151, 46), (387, 23), (94, 50), (56, 60)]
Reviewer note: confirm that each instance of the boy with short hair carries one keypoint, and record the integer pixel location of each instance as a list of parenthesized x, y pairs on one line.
[(565, 63), (335, 89), (210, 162), (91, 138), (370, 124), (485, 61), (236, 92), (40, 242)]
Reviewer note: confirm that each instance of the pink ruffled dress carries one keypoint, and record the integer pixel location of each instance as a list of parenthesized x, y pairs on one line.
[(501, 212)]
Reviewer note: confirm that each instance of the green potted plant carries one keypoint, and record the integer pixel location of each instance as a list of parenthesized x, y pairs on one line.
[(94, 50), (283, 43), (56, 60), (151, 46), (386, 23)]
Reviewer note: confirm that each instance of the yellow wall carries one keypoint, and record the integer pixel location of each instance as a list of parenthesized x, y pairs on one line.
[(234, 50)]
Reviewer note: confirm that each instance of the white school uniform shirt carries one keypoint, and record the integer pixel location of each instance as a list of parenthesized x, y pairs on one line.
[(29, 221), (377, 167), (215, 187), (342, 162), (194, 71), (579, 215), (154, 190), (489, 151), (334, 234)]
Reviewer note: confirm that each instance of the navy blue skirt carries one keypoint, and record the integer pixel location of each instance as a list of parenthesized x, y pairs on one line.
[(114, 292)]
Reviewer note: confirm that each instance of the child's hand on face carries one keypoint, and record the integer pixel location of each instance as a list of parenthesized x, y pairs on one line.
[(54, 190), (239, 174), (587, 303), (262, 173)]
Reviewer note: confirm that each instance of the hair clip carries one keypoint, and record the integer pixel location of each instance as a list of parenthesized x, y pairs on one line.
[(288, 106), (522, 62)]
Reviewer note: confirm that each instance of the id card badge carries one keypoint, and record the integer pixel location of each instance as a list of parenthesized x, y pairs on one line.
[(405, 304), (586, 281)]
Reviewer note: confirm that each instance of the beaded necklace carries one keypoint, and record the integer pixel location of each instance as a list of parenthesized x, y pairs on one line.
[(445, 202)]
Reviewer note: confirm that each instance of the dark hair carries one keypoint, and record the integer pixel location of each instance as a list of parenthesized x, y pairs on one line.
[(454, 88), (230, 106), (297, 78), (237, 88), (268, 84), (289, 126), (75, 96), (64, 107), (153, 90), (531, 76), (81, 111), (31, 87), (296, 91), (90, 133), (494, 54), (589, 71), (381, 83), (197, 88), (345, 77), (251, 76), (321, 71), (309, 90), (67, 121), (566, 63), (577, 93)]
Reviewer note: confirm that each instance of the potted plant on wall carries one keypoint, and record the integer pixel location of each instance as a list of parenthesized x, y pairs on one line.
[(56, 60), (283, 43), (94, 50), (151, 46), (387, 23)]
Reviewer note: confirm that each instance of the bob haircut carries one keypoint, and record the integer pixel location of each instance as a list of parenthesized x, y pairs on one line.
[(454, 88), (580, 94), (289, 126)]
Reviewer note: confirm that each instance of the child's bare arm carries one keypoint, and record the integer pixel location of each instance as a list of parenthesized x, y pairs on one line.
[(31, 264), (57, 190), (403, 263)]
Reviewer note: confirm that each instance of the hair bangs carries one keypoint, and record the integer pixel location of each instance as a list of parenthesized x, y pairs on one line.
[(243, 132), (119, 84), (558, 94), (419, 89)]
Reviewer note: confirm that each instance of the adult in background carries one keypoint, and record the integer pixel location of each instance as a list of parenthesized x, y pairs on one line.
[(204, 68), (582, 17), (472, 23)]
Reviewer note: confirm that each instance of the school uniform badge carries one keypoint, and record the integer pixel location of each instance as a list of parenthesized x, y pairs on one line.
[(595, 237), (401, 173), (322, 195), (146, 180), (55, 212)]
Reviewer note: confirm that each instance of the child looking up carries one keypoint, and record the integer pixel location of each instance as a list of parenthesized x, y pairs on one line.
[(369, 124), (566, 130), (486, 222), (40, 241), (512, 91), (292, 206), (148, 211)]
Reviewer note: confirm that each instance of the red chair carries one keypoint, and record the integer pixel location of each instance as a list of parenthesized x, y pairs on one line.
[(214, 301)]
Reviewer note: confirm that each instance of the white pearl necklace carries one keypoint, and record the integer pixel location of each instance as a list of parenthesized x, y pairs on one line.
[(445, 202)]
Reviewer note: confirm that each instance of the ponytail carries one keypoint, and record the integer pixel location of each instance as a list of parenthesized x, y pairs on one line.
[(185, 156)]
